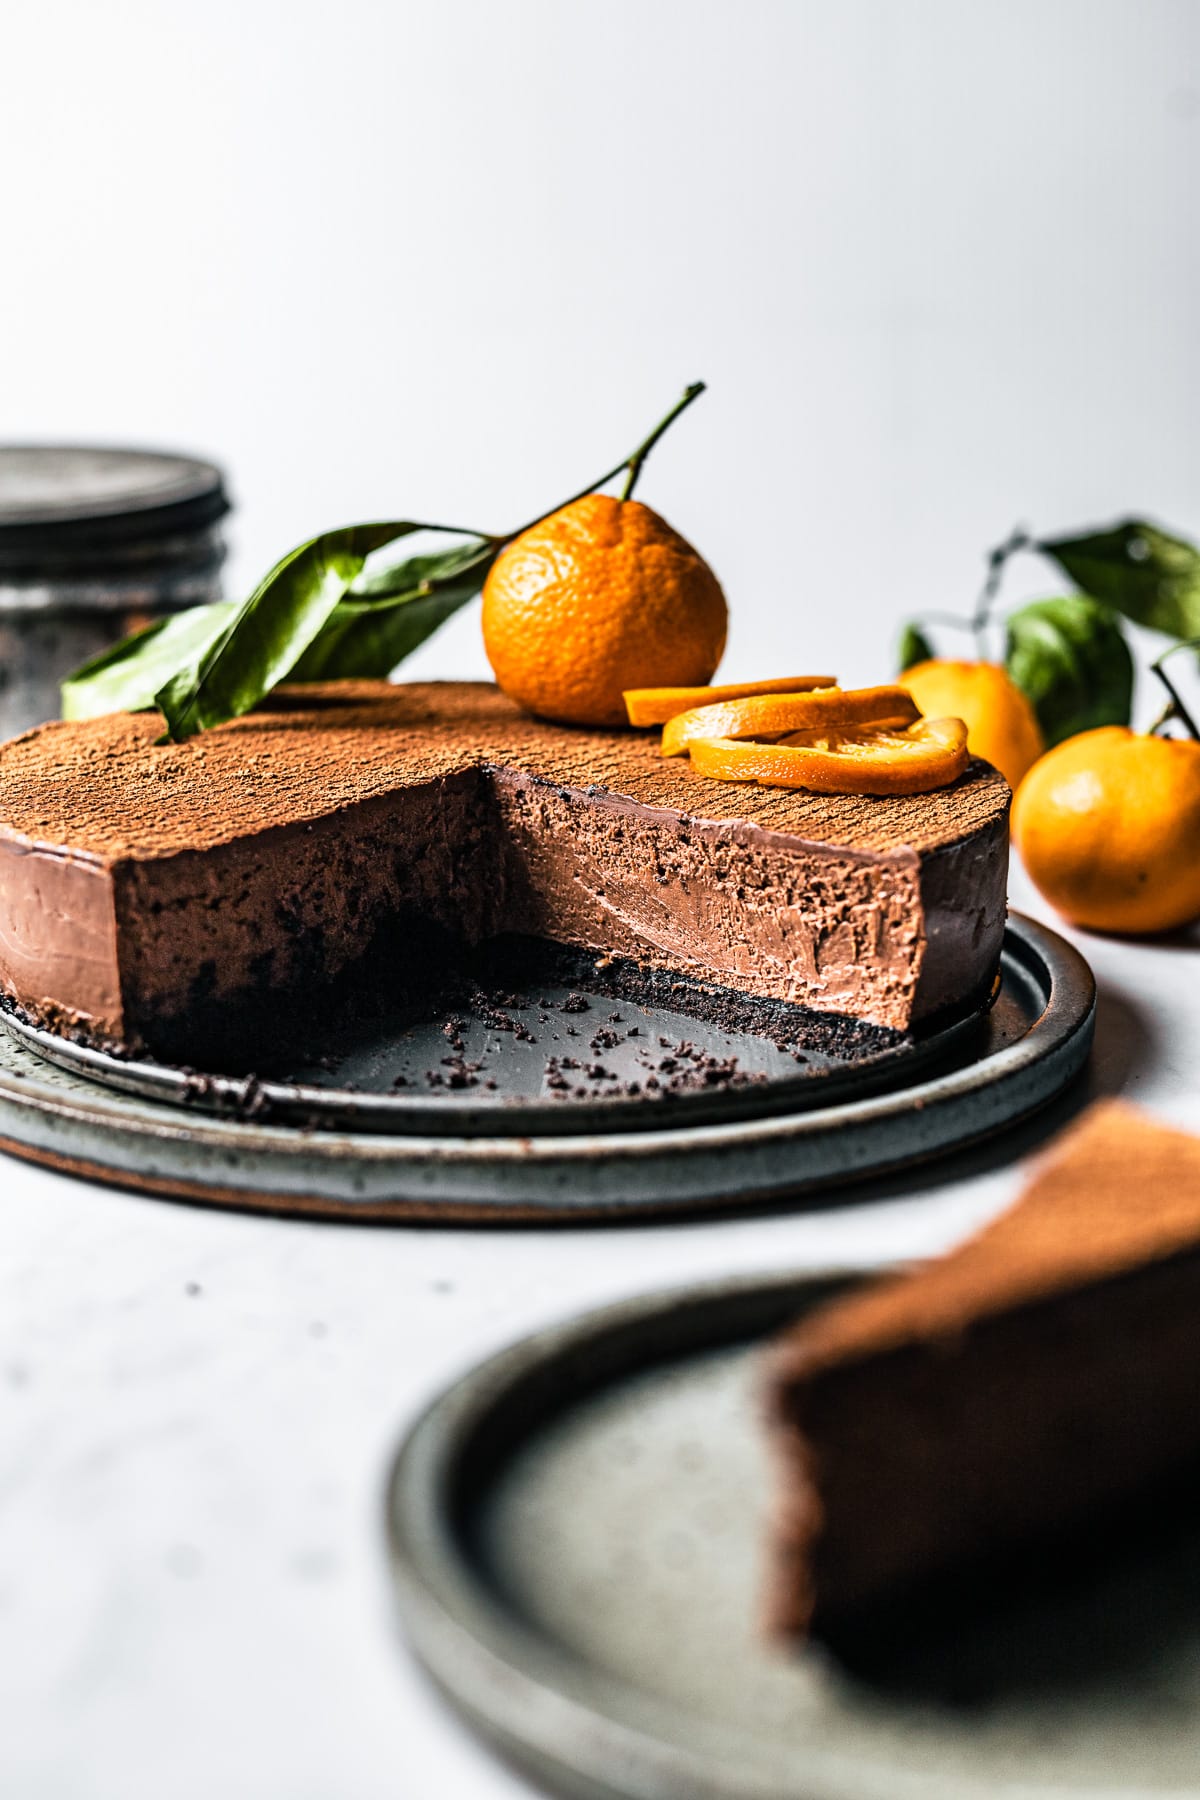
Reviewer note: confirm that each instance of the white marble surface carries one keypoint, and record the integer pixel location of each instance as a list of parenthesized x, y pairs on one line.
[(197, 1410)]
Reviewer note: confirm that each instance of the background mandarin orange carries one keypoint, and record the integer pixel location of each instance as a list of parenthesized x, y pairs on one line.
[(1108, 826), (1001, 725)]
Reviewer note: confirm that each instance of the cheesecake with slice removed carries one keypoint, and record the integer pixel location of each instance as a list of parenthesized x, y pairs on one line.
[(158, 896), (984, 1414)]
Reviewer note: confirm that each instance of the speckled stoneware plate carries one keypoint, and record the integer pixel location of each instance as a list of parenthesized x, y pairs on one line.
[(540, 1060), (1031, 1043), (578, 1536)]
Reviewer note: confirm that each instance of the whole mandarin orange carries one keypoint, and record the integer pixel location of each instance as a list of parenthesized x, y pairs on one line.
[(1001, 725), (599, 597), (1108, 826)]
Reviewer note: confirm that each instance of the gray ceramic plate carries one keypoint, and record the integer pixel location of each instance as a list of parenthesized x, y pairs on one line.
[(546, 1060), (1032, 1043), (578, 1532)]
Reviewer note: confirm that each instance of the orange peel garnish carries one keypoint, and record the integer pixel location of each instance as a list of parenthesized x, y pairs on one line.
[(654, 706), (774, 715), (928, 754)]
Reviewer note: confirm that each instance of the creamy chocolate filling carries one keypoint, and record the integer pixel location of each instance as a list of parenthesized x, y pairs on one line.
[(57, 937), (269, 857)]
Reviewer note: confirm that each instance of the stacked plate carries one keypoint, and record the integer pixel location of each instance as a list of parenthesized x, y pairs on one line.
[(553, 1103)]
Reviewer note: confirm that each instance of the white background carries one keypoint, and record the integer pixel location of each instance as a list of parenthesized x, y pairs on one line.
[(940, 265)]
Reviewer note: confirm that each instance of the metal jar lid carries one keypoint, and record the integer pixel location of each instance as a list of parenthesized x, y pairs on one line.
[(73, 508)]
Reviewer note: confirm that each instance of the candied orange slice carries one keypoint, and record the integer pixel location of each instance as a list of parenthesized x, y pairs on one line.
[(928, 754), (654, 706), (773, 715)]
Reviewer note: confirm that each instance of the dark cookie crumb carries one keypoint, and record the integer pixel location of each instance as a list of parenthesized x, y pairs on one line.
[(459, 1074)]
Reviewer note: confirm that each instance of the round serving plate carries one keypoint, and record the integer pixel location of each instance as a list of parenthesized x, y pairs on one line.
[(554, 1059), (1034, 1041), (579, 1533)]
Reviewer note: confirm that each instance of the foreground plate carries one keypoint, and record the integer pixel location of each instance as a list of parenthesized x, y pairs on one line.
[(1032, 1043), (578, 1532)]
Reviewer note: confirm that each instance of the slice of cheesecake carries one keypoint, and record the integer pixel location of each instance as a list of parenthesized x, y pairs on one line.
[(1002, 1403), (160, 895)]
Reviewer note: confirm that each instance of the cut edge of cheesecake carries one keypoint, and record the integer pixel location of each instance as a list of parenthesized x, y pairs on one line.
[(141, 881)]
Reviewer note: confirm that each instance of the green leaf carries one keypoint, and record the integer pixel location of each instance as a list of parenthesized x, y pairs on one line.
[(1150, 576), (126, 677), (914, 647), (1070, 659), (385, 578), (339, 605), (361, 642), (271, 629), (371, 637)]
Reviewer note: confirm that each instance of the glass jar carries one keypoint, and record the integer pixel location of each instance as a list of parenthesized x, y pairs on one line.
[(95, 543)]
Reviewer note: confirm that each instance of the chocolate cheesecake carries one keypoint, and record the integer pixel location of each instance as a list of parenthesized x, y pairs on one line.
[(943, 1432), (154, 896)]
